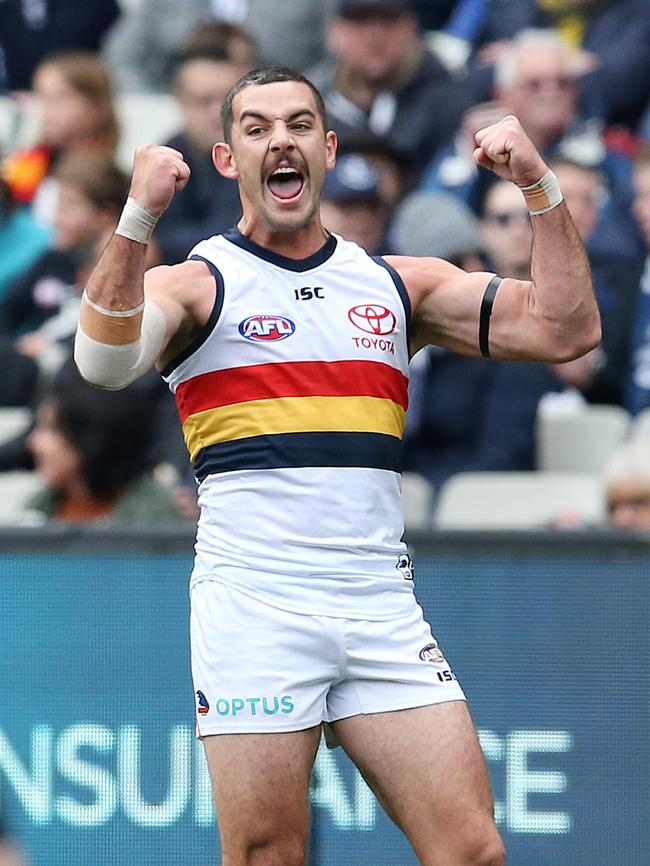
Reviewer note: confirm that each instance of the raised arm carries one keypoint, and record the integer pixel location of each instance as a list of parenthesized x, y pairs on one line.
[(552, 317), (129, 320)]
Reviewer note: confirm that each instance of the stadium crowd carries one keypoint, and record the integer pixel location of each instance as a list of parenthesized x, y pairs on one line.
[(406, 86)]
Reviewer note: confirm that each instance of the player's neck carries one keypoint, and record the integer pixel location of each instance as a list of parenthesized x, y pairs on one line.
[(296, 244)]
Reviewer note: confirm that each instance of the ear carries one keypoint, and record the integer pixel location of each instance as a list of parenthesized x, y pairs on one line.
[(331, 145), (224, 160)]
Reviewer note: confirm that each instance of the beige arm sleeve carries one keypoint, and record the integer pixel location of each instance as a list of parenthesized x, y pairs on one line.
[(105, 352)]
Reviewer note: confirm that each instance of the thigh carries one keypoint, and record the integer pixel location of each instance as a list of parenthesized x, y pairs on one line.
[(427, 769), (260, 784), (390, 665)]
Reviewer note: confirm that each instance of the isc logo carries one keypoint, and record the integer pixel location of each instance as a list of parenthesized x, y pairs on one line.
[(266, 328)]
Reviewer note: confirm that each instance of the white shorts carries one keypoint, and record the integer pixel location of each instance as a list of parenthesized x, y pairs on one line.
[(260, 669)]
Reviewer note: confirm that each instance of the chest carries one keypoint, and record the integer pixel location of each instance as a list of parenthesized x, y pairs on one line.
[(275, 315)]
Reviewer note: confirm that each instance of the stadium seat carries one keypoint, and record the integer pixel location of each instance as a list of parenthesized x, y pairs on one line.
[(13, 420), (519, 500), (16, 489), (417, 498), (579, 441), (640, 428)]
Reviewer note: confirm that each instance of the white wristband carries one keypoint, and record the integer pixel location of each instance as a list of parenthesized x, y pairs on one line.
[(544, 195), (137, 222)]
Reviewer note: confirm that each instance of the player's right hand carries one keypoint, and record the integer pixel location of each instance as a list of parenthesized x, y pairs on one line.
[(158, 172)]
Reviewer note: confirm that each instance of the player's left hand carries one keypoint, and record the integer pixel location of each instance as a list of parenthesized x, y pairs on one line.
[(505, 149)]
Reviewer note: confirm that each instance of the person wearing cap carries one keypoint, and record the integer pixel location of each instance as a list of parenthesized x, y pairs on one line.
[(387, 160), (351, 204), (382, 78)]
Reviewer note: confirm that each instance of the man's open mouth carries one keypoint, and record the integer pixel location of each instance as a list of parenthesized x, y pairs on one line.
[(285, 183)]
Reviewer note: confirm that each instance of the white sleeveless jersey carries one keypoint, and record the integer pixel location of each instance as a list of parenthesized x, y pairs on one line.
[(292, 401)]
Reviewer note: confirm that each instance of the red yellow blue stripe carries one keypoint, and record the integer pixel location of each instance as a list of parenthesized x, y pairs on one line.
[(291, 379)]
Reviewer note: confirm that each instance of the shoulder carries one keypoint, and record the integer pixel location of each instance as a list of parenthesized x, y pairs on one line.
[(423, 275), (185, 282)]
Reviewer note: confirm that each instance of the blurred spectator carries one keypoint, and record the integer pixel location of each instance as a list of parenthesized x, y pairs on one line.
[(220, 37), (476, 21), (465, 414), (22, 239), (77, 115), (20, 379), (506, 231), (210, 203), (290, 33), (453, 169), (143, 45), (455, 237), (636, 394), (471, 24), (614, 61), (351, 204), (382, 78), (387, 161), (627, 486), (534, 78), (91, 195), (600, 374), (92, 448), (31, 30)]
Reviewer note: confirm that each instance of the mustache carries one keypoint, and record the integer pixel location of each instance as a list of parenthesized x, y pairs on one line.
[(284, 162)]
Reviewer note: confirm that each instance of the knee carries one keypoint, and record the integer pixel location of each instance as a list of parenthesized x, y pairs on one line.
[(488, 851), (284, 852)]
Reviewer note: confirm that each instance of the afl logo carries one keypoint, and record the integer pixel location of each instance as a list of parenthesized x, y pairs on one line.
[(373, 319), (266, 329)]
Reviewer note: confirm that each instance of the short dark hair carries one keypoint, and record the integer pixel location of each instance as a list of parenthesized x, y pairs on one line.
[(113, 431), (267, 75), (219, 42)]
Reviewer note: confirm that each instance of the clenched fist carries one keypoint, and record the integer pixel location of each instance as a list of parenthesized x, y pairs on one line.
[(157, 173), (505, 149)]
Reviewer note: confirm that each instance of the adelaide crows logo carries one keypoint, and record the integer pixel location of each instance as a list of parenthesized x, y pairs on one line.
[(203, 707)]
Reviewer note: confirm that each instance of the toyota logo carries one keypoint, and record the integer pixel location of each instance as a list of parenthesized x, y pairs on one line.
[(373, 319)]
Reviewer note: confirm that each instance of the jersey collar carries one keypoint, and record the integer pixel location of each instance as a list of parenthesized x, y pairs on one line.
[(318, 258)]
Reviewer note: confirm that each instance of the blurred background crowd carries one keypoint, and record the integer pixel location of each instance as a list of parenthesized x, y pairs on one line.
[(406, 83)]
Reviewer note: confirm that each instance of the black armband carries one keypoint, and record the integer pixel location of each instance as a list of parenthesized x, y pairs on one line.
[(484, 316)]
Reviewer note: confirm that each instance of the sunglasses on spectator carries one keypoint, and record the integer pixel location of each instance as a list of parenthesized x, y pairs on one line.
[(506, 218), (534, 85)]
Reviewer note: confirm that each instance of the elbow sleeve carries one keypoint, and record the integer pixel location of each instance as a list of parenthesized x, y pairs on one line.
[(116, 366)]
